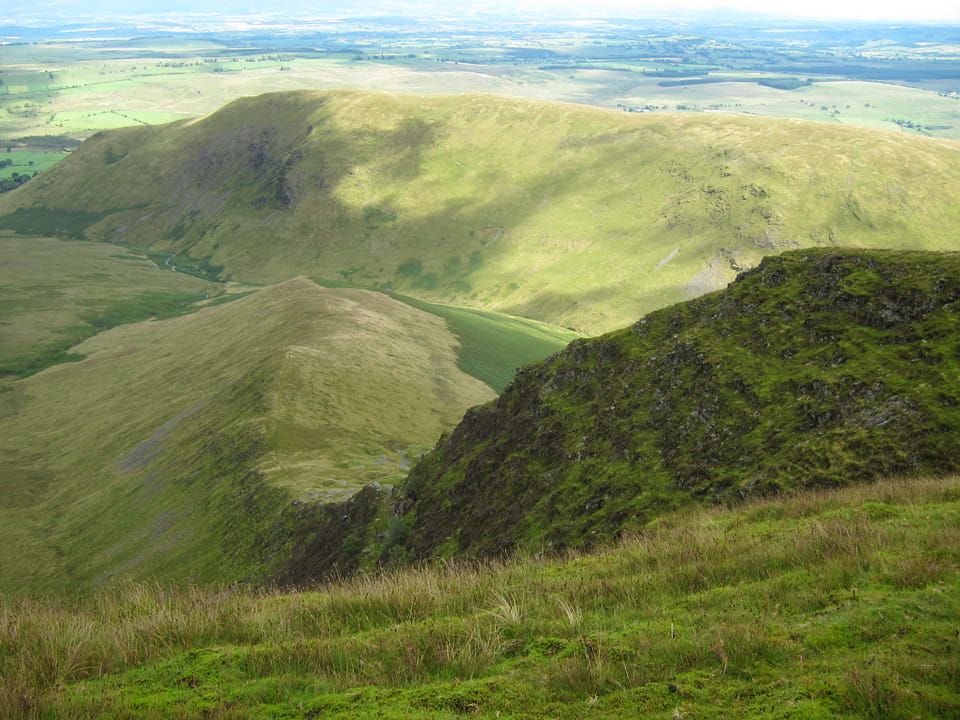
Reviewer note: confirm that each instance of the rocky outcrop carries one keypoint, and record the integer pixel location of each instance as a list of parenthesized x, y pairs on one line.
[(817, 368)]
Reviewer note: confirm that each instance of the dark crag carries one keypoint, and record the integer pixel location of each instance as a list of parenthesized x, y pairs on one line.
[(817, 368)]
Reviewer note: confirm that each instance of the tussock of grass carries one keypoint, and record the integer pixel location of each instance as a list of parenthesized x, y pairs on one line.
[(839, 604)]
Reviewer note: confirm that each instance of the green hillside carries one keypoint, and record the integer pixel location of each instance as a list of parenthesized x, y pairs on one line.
[(830, 604), (55, 293), (493, 346), (579, 216), (819, 368), (174, 448)]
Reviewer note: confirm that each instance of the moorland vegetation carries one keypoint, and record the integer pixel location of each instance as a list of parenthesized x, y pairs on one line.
[(229, 343), (819, 604)]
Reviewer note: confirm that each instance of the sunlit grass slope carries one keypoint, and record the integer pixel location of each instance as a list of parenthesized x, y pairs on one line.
[(173, 448), (830, 604), (580, 216), (494, 346)]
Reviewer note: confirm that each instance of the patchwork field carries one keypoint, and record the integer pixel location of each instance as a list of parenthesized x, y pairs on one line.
[(881, 77)]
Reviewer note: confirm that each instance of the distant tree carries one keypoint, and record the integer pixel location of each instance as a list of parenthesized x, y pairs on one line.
[(13, 182)]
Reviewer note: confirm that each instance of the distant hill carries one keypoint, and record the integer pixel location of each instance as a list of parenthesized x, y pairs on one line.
[(819, 368), (584, 217)]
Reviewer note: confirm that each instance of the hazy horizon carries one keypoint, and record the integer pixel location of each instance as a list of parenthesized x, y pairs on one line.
[(54, 11)]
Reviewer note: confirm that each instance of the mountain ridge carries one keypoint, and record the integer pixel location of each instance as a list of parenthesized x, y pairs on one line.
[(579, 216), (549, 210), (173, 448)]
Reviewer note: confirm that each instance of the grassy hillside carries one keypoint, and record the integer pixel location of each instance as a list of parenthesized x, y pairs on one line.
[(55, 293), (580, 216), (817, 369), (174, 446), (829, 604)]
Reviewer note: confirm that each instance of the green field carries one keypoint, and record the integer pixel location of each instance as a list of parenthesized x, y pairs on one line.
[(27, 162)]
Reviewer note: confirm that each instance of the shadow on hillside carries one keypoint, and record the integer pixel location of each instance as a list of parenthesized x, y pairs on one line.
[(261, 182)]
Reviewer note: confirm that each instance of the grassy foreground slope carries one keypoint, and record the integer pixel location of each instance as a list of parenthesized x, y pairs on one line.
[(818, 368), (579, 216), (175, 448), (828, 604)]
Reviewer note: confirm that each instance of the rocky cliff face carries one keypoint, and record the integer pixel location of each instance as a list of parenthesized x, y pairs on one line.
[(817, 368)]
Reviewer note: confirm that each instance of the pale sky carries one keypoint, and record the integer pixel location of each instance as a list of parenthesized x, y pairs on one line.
[(885, 10)]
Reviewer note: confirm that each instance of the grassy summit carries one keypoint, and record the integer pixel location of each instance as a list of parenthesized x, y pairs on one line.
[(580, 216)]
